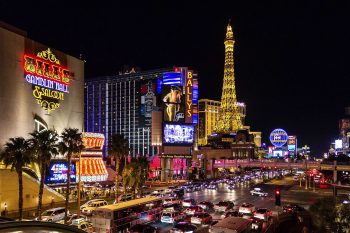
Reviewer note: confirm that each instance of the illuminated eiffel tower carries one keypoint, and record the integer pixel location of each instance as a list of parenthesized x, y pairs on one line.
[(229, 116)]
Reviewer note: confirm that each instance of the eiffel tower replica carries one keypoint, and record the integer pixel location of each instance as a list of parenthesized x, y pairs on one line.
[(229, 116)]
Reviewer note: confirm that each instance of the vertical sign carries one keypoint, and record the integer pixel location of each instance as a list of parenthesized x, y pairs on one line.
[(189, 97)]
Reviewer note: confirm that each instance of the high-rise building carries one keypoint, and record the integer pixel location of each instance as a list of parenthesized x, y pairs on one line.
[(208, 111), (229, 118), (123, 104)]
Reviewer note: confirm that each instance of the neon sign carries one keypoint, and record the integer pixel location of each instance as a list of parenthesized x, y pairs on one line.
[(189, 86), (278, 137), (50, 80)]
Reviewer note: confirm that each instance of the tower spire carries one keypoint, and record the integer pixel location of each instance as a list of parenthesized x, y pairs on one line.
[(229, 117)]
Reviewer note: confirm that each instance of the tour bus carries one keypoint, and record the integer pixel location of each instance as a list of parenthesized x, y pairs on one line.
[(121, 216)]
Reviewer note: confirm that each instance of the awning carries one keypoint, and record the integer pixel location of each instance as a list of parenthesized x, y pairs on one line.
[(92, 169)]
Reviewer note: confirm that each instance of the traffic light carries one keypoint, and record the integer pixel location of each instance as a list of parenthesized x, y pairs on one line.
[(277, 197)]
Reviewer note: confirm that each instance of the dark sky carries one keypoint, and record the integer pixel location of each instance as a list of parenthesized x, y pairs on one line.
[(291, 57)]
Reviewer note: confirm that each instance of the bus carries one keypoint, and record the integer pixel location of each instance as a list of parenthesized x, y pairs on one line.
[(121, 216)]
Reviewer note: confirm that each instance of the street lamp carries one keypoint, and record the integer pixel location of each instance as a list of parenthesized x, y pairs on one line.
[(5, 206)]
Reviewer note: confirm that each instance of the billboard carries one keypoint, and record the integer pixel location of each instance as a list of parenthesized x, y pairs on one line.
[(178, 134), (148, 99), (172, 78), (173, 102), (57, 173), (292, 143), (338, 144), (277, 154)]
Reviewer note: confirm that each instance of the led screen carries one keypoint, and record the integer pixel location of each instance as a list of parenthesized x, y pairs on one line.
[(175, 134), (57, 173), (173, 103)]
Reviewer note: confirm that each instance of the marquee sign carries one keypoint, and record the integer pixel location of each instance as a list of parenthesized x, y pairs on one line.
[(49, 79), (189, 106)]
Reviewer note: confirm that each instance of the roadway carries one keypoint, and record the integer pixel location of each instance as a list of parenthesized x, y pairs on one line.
[(290, 193)]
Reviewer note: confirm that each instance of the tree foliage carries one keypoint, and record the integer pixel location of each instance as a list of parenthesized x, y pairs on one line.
[(17, 154)]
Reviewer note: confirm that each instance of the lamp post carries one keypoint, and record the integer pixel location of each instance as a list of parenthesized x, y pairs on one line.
[(79, 185)]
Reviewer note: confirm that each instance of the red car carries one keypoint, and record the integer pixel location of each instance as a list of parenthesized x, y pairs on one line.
[(201, 218)]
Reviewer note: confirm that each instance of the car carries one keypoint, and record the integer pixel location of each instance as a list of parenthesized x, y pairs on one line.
[(257, 225), (70, 218), (223, 206), (171, 217), (143, 228), (246, 208), (171, 201), (206, 205), (212, 186), (193, 209), (258, 192), (92, 206), (262, 213), (53, 215), (172, 207), (201, 218), (231, 213), (89, 202), (183, 227), (231, 187), (188, 202), (292, 208), (82, 224), (179, 192)]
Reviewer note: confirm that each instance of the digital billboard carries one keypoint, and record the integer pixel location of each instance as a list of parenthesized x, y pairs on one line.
[(173, 102), (172, 78), (178, 134), (292, 143), (57, 173)]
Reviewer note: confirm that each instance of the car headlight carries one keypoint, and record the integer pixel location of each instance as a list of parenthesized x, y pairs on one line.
[(44, 219)]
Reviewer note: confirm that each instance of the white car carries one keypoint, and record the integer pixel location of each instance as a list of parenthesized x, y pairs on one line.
[(246, 208), (92, 206), (171, 217), (81, 224), (89, 202), (53, 215), (258, 192), (171, 201)]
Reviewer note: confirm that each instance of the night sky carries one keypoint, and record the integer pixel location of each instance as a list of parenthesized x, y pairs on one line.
[(291, 59)]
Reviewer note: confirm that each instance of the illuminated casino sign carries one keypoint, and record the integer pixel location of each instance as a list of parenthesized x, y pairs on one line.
[(57, 173), (278, 137), (50, 80), (189, 86)]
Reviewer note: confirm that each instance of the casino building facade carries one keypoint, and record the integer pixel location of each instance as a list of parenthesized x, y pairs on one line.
[(155, 110), (42, 88)]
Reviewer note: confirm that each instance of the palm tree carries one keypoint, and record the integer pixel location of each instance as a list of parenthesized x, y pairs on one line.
[(70, 145), (43, 146), (144, 167), (16, 154), (118, 150), (131, 176), (135, 174)]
